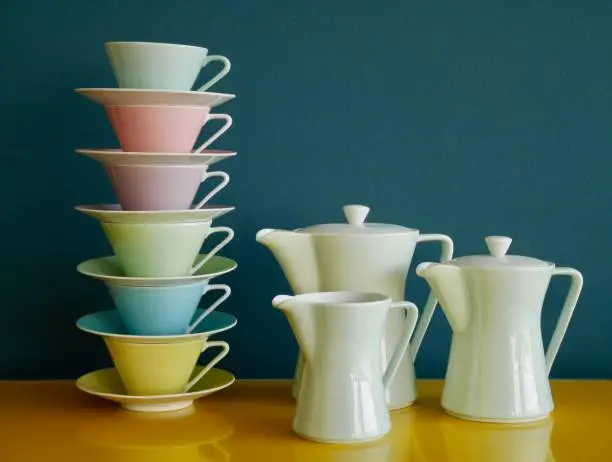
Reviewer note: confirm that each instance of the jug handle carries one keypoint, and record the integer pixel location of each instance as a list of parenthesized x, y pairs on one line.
[(430, 305), (412, 315), (566, 313)]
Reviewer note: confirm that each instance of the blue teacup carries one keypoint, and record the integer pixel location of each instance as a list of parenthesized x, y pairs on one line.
[(163, 310)]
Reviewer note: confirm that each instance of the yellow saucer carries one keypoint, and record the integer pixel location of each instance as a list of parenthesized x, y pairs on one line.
[(106, 384)]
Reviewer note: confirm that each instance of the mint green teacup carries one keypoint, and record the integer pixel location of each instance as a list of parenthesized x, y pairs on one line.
[(162, 249), (161, 66)]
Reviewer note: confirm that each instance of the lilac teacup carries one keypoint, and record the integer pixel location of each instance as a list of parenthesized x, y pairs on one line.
[(161, 187)]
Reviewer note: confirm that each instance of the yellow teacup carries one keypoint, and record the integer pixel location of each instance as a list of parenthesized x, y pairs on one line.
[(160, 368)]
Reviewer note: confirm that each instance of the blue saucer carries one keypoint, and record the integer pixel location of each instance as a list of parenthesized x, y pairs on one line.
[(109, 324)]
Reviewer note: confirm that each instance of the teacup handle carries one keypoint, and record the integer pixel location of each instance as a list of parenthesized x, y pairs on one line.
[(225, 350), (219, 246), (227, 65), (227, 291), (218, 133), (219, 187)]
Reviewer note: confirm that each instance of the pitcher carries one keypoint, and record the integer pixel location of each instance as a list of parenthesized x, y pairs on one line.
[(342, 395), (359, 256), (498, 370)]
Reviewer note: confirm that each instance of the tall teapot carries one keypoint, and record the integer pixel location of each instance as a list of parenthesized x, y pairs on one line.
[(358, 256), (498, 369)]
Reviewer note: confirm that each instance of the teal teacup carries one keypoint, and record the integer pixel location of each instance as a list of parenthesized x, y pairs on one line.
[(161, 66), (163, 310)]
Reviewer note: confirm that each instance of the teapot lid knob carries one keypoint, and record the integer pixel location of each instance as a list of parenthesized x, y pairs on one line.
[(356, 214), (498, 245)]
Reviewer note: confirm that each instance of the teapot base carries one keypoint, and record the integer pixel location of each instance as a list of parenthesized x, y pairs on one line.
[(401, 406), (510, 421), (334, 441)]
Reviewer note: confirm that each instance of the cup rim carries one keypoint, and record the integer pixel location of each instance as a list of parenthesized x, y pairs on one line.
[(202, 340), (165, 106), (158, 288), (204, 167), (345, 298), (182, 223), (154, 44)]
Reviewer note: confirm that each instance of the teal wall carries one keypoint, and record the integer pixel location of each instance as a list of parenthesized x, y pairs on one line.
[(486, 118)]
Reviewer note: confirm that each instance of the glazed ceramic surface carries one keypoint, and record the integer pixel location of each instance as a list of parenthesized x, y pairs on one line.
[(109, 270), (113, 213), (110, 324), (120, 96), (164, 66), (162, 250), (162, 187), (498, 369), (359, 256), (161, 368), (119, 157), (163, 128), (342, 394), (106, 384), (164, 310)]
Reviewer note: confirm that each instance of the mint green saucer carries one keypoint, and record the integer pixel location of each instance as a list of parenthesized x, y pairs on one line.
[(107, 269)]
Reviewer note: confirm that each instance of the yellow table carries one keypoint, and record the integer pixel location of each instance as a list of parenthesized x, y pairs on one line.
[(251, 421)]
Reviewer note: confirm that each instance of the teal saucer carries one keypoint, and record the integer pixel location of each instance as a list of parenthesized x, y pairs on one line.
[(109, 324)]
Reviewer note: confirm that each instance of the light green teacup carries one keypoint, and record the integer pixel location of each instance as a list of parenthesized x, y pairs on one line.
[(161, 66), (162, 249), (161, 368)]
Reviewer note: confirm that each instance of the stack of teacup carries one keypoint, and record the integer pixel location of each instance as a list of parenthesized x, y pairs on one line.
[(158, 274)]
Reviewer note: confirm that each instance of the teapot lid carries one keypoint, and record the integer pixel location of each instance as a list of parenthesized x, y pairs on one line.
[(498, 246), (355, 217)]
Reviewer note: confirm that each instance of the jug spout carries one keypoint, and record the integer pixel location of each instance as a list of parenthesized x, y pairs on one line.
[(301, 321), (295, 255), (446, 282)]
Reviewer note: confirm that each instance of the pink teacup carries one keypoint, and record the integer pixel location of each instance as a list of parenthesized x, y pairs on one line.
[(161, 187), (162, 128)]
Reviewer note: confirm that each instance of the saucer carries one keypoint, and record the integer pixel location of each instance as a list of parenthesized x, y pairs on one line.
[(117, 96), (112, 213), (109, 324), (107, 269), (107, 384), (119, 157)]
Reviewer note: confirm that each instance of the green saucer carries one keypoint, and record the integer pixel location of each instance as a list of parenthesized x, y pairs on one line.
[(107, 269)]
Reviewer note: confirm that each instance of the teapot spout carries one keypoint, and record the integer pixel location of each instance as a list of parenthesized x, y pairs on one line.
[(301, 321), (295, 255), (448, 285)]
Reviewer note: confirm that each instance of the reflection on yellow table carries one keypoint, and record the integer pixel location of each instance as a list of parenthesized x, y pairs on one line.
[(251, 421), (399, 445), (184, 435), (481, 442)]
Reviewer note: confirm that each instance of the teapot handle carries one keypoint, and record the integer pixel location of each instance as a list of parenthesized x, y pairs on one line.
[(430, 305), (412, 314), (566, 313)]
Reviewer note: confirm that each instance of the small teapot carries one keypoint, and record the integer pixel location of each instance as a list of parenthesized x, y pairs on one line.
[(342, 395), (498, 370)]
